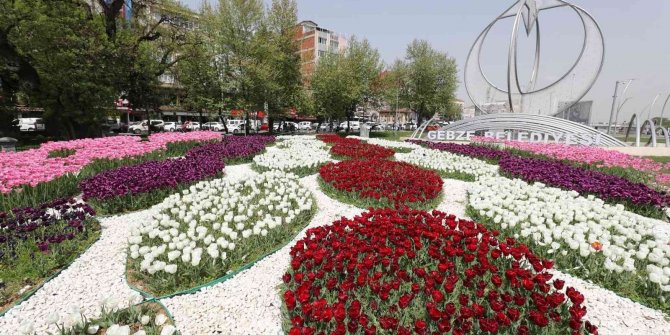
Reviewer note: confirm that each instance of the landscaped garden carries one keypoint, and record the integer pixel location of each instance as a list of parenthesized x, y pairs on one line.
[(197, 234)]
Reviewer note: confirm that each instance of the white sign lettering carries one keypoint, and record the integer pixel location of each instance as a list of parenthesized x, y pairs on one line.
[(533, 137)]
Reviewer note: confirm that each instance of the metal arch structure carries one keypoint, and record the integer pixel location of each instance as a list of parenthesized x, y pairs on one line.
[(481, 90), (654, 130), (531, 123), (665, 104)]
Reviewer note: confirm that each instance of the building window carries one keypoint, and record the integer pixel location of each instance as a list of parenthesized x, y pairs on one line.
[(322, 53), (322, 40), (334, 45)]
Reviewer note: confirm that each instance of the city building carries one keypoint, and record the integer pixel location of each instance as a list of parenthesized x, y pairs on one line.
[(314, 42)]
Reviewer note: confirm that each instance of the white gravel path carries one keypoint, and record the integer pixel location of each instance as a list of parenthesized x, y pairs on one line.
[(249, 303), (455, 197), (613, 314)]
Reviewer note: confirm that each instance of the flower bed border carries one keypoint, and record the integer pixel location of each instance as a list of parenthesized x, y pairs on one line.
[(300, 172), (43, 282)]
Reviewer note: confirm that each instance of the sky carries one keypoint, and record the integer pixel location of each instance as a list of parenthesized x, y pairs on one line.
[(635, 32)]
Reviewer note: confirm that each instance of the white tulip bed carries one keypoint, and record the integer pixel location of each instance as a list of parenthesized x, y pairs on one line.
[(215, 227), (615, 248), (449, 165), (302, 155), (214, 254)]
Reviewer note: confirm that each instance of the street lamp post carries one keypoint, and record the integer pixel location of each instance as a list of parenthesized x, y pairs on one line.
[(616, 119), (614, 98)]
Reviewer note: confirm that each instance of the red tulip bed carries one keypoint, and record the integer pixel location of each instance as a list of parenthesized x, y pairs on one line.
[(334, 139), (360, 151), (380, 183), (415, 272)]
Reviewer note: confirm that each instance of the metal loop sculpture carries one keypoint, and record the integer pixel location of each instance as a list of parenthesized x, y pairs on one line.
[(550, 99)]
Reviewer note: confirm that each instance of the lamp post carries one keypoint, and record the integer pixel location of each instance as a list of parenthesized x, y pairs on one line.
[(616, 89), (616, 119)]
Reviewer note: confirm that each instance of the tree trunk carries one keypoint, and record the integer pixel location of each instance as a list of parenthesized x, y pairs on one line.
[(223, 121), (200, 118), (348, 123), (271, 123), (148, 115), (318, 126), (246, 124)]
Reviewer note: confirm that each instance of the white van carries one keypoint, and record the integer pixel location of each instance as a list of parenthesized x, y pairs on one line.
[(235, 126), (31, 124)]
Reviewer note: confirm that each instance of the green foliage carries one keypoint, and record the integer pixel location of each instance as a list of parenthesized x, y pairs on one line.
[(426, 79), (62, 153), (74, 58), (341, 82)]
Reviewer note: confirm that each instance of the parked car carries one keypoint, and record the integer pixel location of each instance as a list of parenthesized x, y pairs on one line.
[(31, 124), (111, 125), (325, 126), (172, 126), (304, 125), (236, 126), (353, 125), (215, 126), (192, 125), (156, 125)]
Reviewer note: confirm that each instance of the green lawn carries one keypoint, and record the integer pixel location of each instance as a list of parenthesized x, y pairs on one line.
[(391, 135), (643, 138), (660, 159)]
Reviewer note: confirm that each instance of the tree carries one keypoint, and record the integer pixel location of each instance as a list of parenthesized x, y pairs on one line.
[(330, 85), (280, 80), (61, 58), (233, 27), (197, 74), (427, 80), (342, 82), (75, 61), (364, 66)]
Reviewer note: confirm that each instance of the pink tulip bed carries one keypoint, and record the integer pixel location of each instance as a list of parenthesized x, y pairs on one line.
[(32, 177)]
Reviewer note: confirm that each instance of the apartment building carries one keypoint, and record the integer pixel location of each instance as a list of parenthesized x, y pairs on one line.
[(314, 42)]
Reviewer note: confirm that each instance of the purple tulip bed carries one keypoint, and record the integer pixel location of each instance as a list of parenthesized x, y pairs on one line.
[(36, 243), (143, 185), (235, 149), (635, 196)]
